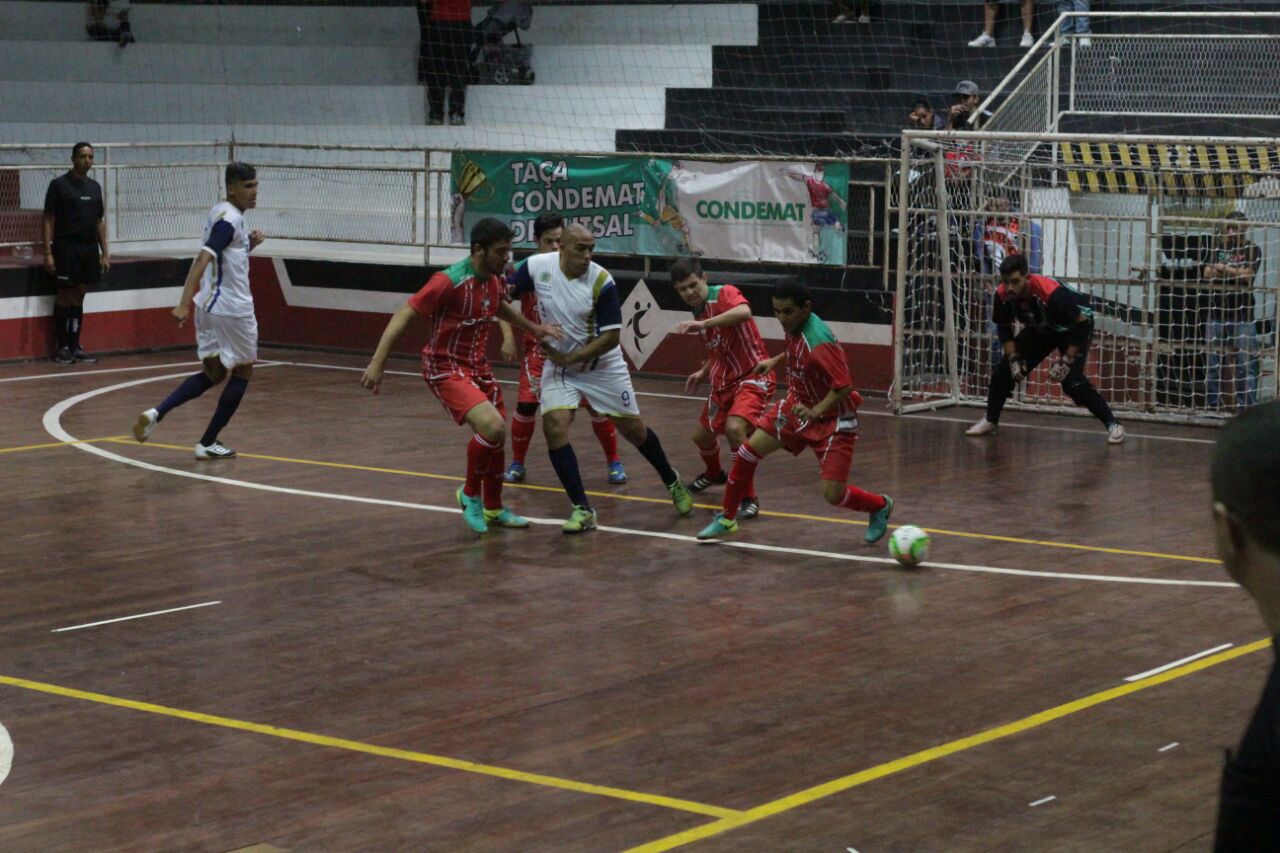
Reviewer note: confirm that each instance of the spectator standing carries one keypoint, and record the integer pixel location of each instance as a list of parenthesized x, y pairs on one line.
[(98, 27), (74, 230), (1079, 25), (1233, 265), (845, 14), (444, 42), (988, 37)]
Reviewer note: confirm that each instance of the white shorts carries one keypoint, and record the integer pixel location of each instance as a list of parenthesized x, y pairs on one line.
[(606, 389), (234, 340)]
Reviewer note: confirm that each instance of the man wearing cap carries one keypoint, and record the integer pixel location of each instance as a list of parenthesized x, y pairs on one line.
[(967, 100)]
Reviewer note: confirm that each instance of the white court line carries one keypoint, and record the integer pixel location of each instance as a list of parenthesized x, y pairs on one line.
[(861, 412), (53, 425), (1167, 747), (6, 753), (1187, 659), (1041, 802), (135, 616), (124, 370), (96, 372)]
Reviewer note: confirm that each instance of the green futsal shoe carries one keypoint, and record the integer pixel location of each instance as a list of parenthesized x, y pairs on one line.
[(472, 512), (719, 526), (505, 518), (879, 524), (680, 496), (581, 521)]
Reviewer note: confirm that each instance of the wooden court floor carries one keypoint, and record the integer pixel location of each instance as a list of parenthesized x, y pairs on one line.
[(343, 666)]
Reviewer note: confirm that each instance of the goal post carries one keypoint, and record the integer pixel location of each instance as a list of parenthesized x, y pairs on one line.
[(1175, 241)]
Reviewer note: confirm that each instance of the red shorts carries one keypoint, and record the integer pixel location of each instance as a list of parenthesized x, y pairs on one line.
[(461, 392), (531, 376), (832, 446), (747, 400)]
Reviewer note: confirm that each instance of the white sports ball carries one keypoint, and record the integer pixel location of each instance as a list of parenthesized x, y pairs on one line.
[(909, 545)]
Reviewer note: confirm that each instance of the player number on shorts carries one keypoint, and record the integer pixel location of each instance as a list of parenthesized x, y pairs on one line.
[(626, 398)]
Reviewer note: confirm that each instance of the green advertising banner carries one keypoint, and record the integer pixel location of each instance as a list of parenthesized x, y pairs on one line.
[(786, 212)]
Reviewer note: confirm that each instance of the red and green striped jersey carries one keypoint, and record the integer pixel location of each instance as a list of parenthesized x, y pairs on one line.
[(459, 306), (816, 364), (734, 351)]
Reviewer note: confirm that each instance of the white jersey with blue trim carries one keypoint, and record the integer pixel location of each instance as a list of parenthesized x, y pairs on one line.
[(584, 307), (224, 287)]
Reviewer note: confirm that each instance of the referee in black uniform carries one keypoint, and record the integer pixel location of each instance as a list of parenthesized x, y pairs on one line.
[(1246, 521), (74, 230)]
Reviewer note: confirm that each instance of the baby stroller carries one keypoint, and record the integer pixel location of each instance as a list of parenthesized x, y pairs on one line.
[(492, 59)]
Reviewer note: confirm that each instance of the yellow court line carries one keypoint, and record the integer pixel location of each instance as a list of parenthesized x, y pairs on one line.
[(926, 756), (990, 537), (60, 444), (371, 749)]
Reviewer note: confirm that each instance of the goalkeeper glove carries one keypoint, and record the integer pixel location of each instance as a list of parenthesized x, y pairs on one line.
[(1060, 369), (1017, 368)]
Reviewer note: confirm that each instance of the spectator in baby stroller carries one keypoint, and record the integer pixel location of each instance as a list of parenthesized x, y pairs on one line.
[(493, 60)]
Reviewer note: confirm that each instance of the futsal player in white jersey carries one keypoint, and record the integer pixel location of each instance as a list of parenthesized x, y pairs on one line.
[(226, 329), (580, 297)]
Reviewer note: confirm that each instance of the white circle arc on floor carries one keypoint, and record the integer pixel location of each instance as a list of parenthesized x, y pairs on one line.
[(53, 425), (6, 753)]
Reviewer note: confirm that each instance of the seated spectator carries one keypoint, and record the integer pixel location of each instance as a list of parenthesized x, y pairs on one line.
[(922, 117), (1233, 264), (98, 24), (1079, 25), (966, 103), (988, 37)]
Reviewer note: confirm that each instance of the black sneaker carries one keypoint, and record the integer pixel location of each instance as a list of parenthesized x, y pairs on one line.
[(63, 356), (81, 355), (457, 120), (704, 481), (748, 509)]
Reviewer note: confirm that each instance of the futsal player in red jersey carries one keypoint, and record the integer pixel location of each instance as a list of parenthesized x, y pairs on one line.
[(819, 412), (459, 303), (547, 229), (734, 347)]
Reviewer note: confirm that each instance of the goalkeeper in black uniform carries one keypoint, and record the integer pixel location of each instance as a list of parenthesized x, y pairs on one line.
[(1053, 317)]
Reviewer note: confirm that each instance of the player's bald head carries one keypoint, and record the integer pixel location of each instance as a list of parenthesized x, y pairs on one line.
[(1246, 470), (576, 232)]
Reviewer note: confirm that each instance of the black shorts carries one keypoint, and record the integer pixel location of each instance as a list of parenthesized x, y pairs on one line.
[(76, 263)]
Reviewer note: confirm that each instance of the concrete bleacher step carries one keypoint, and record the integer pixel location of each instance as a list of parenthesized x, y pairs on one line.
[(470, 136), (363, 65), (514, 109), (311, 24), (800, 145), (99, 62)]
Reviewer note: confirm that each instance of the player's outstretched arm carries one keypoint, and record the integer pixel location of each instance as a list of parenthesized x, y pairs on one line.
[(735, 316), (768, 364), (507, 352), (597, 346), (834, 397), (198, 266), (507, 314), (372, 377)]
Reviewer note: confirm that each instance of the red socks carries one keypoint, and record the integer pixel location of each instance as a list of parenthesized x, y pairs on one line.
[(860, 501), (741, 481), (522, 429), (608, 435), (484, 471), (711, 458)]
